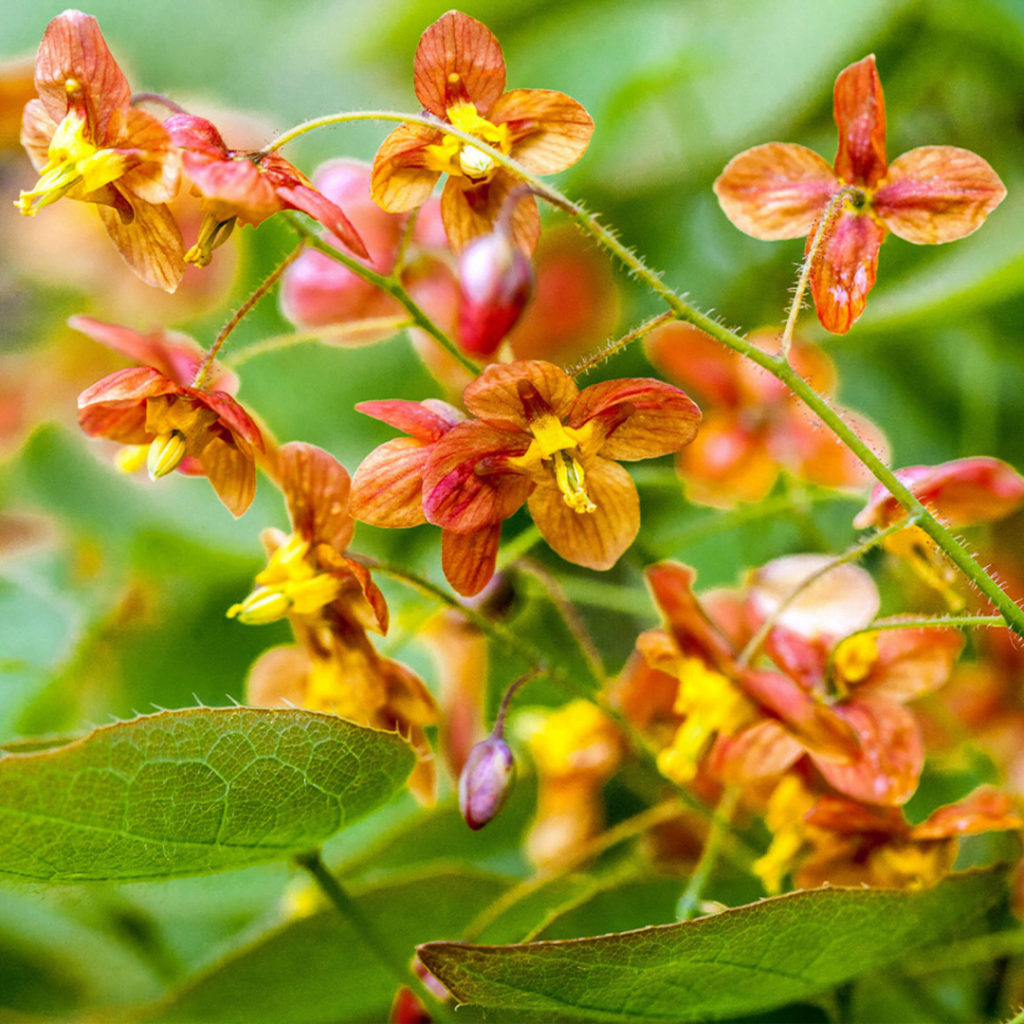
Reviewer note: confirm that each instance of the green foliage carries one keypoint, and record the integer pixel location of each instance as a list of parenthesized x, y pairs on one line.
[(186, 792)]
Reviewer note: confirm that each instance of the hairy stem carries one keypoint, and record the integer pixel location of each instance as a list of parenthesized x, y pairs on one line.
[(690, 899), (588, 363)]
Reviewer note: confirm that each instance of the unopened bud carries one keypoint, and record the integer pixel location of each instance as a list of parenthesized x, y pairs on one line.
[(495, 279), (486, 781)]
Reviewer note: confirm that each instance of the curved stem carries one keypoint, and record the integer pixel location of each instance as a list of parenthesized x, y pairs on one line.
[(724, 812), (588, 363), (390, 285), (938, 622)]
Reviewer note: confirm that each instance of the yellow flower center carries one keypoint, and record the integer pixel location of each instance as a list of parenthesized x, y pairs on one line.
[(75, 168), (855, 657), (575, 738), (453, 156), (289, 585)]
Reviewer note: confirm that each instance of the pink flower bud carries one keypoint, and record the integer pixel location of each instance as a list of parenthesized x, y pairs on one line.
[(496, 281), (486, 781)]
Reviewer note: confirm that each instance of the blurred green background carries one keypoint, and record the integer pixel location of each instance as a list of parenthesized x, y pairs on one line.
[(123, 607)]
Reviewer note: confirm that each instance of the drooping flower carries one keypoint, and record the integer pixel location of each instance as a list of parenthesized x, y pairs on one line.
[(754, 427), (331, 602), (247, 188), (536, 439), (929, 195), (89, 143), (460, 79), (167, 422)]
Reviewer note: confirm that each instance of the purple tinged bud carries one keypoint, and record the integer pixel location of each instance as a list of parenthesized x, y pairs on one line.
[(486, 781), (495, 279)]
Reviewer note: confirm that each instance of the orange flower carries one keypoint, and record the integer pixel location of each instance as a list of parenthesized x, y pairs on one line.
[(89, 143), (331, 602), (247, 188), (753, 425), (168, 423), (931, 194), (536, 439), (460, 79)]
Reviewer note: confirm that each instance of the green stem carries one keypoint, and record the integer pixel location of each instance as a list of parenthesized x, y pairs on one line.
[(312, 862), (388, 284), (517, 547), (938, 622), (596, 358), (720, 826)]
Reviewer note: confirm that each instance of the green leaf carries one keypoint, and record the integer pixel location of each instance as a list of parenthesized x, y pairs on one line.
[(189, 792), (740, 961), (320, 968)]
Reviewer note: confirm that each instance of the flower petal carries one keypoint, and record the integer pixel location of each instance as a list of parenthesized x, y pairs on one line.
[(663, 418), (818, 456), (157, 174), (912, 662), (775, 191), (763, 749), (549, 130), (937, 194), (845, 271), (320, 208), (594, 540), (695, 360), (150, 243), (494, 395), (135, 384), (231, 470), (469, 210), (458, 58), (458, 498), (399, 180), (426, 421), (387, 489), (230, 415), (316, 487), (37, 128), (727, 462), (468, 559), (278, 678), (860, 116), (985, 810)]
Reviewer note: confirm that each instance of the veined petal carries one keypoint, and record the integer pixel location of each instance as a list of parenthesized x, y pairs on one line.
[(320, 208), (661, 418), (470, 210), (316, 487), (892, 753), (911, 662), (468, 559), (116, 421), (150, 243), (74, 48), (370, 607), (234, 186), (427, 420), (458, 498), (937, 194), (549, 130), (845, 271), (696, 360), (458, 58), (135, 384), (761, 750), (494, 395), (387, 489), (775, 191), (156, 175), (596, 539), (860, 116), (231, 471), (230, 414), (37, 128), (399, 180)]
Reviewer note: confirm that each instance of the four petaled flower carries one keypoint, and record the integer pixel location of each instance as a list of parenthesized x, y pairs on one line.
[(247, 188), (460, 78), (89, 143), (929, 195)]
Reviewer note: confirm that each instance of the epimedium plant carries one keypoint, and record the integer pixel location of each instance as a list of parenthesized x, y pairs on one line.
[(772, 735)]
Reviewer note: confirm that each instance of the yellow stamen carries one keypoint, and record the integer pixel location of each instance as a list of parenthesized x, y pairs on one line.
[(855, 657), (212, 234), (453, 156), (131, 457), (789, 802), (263, 605), (571, 482), (165, 453)]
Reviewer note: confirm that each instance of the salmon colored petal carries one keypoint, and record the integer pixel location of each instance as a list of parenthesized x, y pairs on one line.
[(801, 659), (235, 186), (660, 417), (399, 180), (132, 385), (232, 472), (469, 211), (494, 396), (727, 462), (121, 422), (367, 605), (845, 271), (387, 489), (458, 498), (316, 487), (644, 693), (231, 414), (549, 130), (695, 360), (848, 817), (775, 191), (860, 116), (763, 749), (156, 177), (74, 48), (912, 662), (937, 194), (596, 539), (458, 59), (150, 243), (426, 420), (468, 559), (37, 128), (819, 457), (985, 810), (278, 678), (320, 208), (892, 753)]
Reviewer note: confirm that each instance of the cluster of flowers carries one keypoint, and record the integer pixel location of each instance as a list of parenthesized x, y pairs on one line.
[(789, 689)]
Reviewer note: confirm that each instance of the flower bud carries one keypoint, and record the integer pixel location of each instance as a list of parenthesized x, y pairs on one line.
[(496, 280), (486, 781)]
